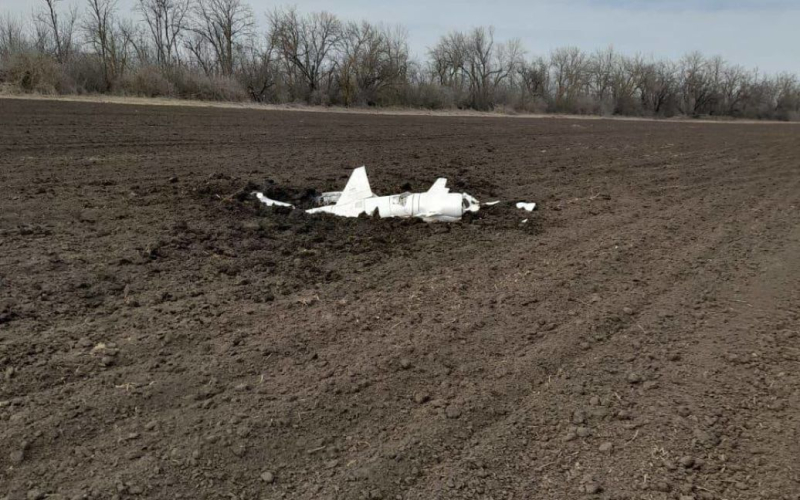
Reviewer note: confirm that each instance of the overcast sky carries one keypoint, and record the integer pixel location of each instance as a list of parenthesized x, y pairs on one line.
[(762, 34)]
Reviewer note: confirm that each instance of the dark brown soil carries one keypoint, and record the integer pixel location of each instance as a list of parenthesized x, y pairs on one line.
[(163, 336)]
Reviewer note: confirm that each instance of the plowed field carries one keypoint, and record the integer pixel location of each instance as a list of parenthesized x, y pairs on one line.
[(164, 336)]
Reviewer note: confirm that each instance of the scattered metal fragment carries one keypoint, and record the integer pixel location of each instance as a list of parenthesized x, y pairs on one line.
[(526, 206), (270, 202)]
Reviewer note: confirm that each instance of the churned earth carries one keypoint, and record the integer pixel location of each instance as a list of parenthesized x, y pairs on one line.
[(162, 335)]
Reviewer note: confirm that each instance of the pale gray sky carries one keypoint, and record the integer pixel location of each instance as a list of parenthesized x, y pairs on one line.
[(755, 33)]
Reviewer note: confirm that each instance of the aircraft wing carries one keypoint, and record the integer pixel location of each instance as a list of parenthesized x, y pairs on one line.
[(357, 187)]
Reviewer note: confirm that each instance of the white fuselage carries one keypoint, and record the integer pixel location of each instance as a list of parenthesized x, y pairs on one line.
[(437, 206)]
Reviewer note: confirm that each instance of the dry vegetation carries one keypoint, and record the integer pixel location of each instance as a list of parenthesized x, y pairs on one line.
[(218, 50)]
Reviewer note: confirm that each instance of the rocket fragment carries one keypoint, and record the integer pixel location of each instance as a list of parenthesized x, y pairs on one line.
[(435, 204)]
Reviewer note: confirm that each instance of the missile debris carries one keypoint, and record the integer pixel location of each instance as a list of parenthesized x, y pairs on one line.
[(435, 204)]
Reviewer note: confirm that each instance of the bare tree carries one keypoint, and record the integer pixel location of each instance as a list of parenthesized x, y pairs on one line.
[(223, 25), (475, 60), (624, 80), (58, 32), (787, 98), (484, 70), (510, 56), (12, 36), (535, 78), (259, 70), (317, 58), (138, 39), (200, 52), (109, 42), (439, 66), (734, 85), (569, 76), (656, 83), (601, 71), (307, 45), (372, 59), (695, 83), (165, 20)]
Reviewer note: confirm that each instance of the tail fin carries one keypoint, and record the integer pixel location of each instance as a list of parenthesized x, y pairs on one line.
[(440, 186), (357, 187)]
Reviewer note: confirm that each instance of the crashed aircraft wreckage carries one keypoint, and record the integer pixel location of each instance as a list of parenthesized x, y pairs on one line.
[(436, 204)]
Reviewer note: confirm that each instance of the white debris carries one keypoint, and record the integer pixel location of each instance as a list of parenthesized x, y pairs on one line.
[(436, 204), (526, 206), (491, 203), (270, 202)]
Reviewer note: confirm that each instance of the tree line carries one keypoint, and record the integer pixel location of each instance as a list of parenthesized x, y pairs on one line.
[(216, 50)]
